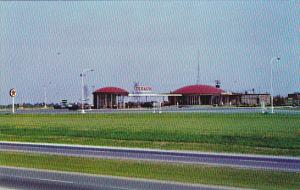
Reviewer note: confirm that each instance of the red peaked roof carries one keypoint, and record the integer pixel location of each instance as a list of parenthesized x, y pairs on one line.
[(112, 90), (198, 89)]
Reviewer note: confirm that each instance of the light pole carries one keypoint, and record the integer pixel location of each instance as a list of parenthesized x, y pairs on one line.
[(83, 74), (271, 62), (91, 97), (45, 95)]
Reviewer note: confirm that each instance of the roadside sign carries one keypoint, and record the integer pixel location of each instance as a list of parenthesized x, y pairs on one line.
[(12, 92)]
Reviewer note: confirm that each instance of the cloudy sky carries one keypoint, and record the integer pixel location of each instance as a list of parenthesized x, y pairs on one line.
[(156, 43)]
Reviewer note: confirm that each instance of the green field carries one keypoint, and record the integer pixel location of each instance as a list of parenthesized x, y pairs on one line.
[(243, 133), (173, 172)]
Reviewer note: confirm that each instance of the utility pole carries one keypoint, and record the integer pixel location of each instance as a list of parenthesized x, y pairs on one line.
[(198, 69), (45, 95), (273, 59), (83, 74)]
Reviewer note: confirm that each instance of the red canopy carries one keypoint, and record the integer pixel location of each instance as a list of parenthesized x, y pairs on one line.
[(112, 90), (199, 89)]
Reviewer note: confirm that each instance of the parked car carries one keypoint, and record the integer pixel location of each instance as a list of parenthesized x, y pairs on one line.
[(73, 107)]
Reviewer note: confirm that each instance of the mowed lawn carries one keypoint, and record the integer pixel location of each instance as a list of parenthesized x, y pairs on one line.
[(277, 134)]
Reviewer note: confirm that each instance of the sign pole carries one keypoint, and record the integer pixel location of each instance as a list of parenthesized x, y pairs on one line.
[(13, 105), (12, 94), (159, 107)]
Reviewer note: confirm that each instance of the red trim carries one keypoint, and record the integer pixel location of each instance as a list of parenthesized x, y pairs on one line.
[(198, 89), (112, 90)]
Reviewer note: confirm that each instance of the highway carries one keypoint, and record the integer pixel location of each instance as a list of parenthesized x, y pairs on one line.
[(21, 178), (276, 163)]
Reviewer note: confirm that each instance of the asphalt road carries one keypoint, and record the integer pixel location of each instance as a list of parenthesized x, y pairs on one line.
[(188, 109), (288, 164), (21, 178)]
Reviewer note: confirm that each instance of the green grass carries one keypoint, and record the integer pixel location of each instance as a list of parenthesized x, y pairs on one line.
[(173, 172), (243, 133)]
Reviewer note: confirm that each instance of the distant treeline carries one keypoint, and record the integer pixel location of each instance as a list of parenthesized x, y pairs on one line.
[(27, 105)]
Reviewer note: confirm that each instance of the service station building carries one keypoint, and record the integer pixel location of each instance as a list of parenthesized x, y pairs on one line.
[(110, 97), (199, 94)]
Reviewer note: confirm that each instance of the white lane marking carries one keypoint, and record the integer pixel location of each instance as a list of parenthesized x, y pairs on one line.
[(40, 179), (121, 188), (153, 150), (55, 180)]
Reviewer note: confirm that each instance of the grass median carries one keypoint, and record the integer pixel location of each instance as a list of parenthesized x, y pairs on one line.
[(197, 174), (276, 134)]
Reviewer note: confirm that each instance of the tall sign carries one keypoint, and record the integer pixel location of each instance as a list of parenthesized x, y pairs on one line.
[(13, 94), (140, 89)]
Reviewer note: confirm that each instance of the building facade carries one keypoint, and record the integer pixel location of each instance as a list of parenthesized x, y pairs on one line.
[(197, 95), (109, 97), (210, 95), (114, 97), (255, 99), (294, 99)]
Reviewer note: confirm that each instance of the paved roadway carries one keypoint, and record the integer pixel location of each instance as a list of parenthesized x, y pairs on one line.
[(21, 178), (276, 163), (188, 109)]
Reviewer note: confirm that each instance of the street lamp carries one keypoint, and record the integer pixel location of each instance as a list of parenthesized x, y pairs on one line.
[(91, 97), (83, 74), (271, 62), (45, 95)]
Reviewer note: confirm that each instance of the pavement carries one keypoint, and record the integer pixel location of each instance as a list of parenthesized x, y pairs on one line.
[(171, 109), (275, 163), (22, 178)]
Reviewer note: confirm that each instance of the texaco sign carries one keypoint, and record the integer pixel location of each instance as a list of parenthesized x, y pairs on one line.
[(140, 89), (12, 92)]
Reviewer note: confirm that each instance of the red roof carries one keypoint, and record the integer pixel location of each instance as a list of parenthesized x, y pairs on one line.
[(198, 89), (112, 90)]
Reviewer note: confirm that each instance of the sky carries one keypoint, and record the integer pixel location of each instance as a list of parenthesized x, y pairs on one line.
[(155, 43)]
